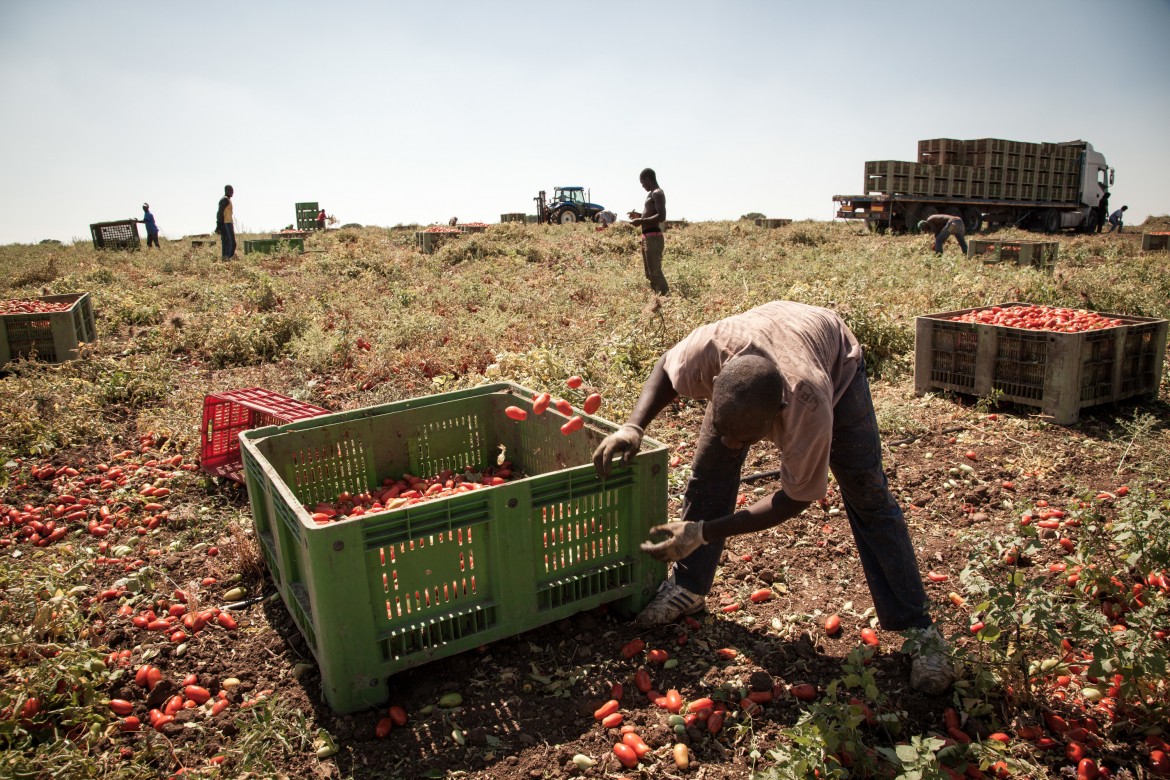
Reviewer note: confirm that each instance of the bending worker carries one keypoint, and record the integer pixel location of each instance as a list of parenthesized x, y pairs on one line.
[(943, 225), (792, 374)]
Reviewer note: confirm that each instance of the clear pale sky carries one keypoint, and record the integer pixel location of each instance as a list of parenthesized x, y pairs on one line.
[(393, 112)]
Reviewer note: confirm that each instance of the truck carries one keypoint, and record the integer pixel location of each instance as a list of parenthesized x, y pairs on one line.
[(568, 204), (1035, 186)]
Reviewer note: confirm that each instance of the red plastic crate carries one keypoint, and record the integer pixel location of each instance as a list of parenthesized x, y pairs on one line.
[(225, 415)]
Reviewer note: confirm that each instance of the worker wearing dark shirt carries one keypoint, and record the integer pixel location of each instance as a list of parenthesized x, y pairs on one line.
[(943, 225), (151, 227)]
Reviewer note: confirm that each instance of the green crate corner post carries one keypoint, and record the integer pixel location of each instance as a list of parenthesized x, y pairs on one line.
[(307, 215), (379, 594)]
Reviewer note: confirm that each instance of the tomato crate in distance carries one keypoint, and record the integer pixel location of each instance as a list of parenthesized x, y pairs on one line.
[(1156, 240), (380, 593), (53, 336), (227, 414), (1060, 373), (1037, 254)]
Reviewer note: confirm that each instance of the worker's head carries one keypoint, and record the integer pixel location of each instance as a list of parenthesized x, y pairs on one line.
[(922, 224), (228, 191), (1125, 208), (747, 396), (146, 207), (648, 178)]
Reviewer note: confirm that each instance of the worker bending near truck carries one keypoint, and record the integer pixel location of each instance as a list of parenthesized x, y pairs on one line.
[(943, 225), (1116, 217), (650, 220), (792, 374)]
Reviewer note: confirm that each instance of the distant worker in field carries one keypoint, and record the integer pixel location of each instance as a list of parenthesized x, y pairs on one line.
[(151, 227), (606, 218), (225, 225), (650, 220), (1103, 211), (1115, 219), (943, 225), (321, 219), (453, 222), (792, 374)]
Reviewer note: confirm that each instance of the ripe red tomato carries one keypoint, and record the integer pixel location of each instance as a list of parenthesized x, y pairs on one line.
[(832, 624), (605, 710), (574, 382), (574, 424), (870, 637), (516, 413), (803, 691), (626, 755), (632, 648), (592, 403)]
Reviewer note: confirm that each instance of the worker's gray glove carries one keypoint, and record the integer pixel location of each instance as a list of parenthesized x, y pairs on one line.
[(682, 540), (625, 441)]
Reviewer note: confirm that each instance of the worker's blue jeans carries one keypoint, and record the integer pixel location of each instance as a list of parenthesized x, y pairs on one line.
[(227, 240), (879, 528), (955, 228)]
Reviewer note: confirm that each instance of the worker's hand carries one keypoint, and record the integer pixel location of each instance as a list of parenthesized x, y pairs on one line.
[(625, 441), (634, 214), (682, 540)]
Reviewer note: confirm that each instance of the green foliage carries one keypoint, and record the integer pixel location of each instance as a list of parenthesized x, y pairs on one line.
[(1032, 617)]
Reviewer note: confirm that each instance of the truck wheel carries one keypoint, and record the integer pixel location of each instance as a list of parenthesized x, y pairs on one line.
[(1090, 225), (876, 227), (566, 217), (1051, 221), (917, 214), (973, 220)]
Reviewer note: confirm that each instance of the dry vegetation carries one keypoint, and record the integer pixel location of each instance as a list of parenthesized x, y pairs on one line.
[(533, 304)]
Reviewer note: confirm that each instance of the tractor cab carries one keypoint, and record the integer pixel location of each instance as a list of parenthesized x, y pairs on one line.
[(574, 195)]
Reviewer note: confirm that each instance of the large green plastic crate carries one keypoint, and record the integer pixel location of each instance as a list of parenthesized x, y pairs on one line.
[(307, 215), (53, 337), (378, 594)]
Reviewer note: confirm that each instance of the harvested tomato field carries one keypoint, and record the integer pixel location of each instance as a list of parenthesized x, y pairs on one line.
[(142, 635)]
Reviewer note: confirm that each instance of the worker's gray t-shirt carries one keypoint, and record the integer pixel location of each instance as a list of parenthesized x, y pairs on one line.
[(816, 354)]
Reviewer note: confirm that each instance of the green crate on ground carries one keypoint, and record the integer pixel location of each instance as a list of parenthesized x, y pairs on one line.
[(1059, 373), (430, 241), (307, 215), (269, 246), (53, 336), (1155, 241), (1037, 254), (382, 593), (512, 216)]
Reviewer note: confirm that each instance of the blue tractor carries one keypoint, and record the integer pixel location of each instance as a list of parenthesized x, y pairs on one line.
[(568, 204)]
